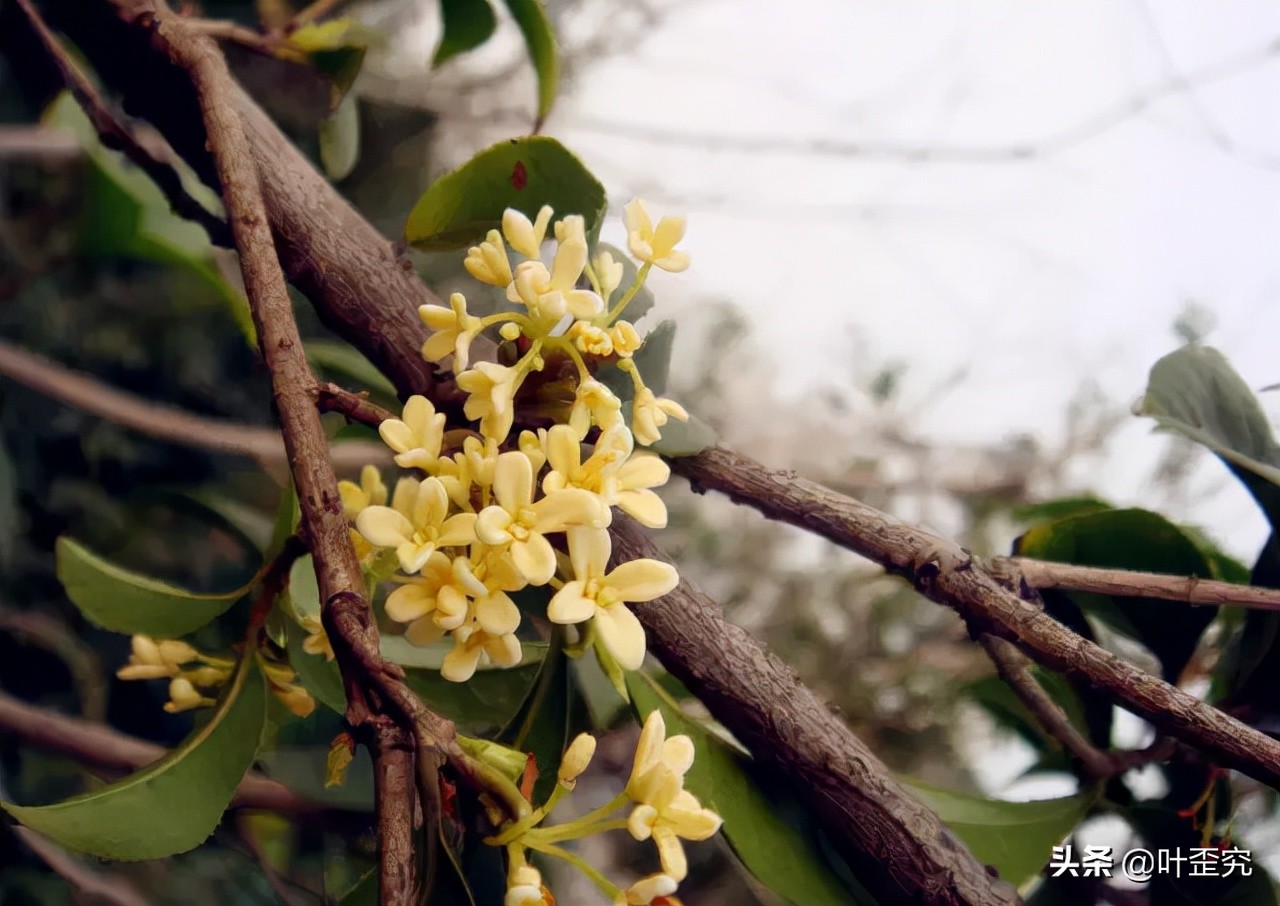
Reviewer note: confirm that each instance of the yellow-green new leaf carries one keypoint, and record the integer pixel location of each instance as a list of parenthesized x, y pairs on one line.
[(173, 805), (123, 601)]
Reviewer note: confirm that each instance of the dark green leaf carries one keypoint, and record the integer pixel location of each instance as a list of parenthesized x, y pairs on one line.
[(780, 855), (123, 601), (1138, 540), (525, 174), (1059, 509), (174, 804), (1016, 838), (467, 24), (532, 19)]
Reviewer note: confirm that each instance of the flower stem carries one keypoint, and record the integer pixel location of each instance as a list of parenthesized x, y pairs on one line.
[(629, 295), (608, 888)]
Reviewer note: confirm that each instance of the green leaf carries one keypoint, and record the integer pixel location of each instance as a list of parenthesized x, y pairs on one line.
[(335, 49), (173, 805), (461, 207), (538, 37), (654, 357), (1195, 392), (1059, 509), (122, 601), (784, 857), (467, 24), (681, 438), (1138, 540), (1016, 838), (552, 713), (125, 215), (340, 139)]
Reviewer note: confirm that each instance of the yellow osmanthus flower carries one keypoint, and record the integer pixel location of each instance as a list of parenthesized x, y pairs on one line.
[(488, 261), (150, 659), (491, 390), (454, 330), (549, 295), (525, 888), (648, 889), (371, 491), (649, 412), (655, 245), (518, 523), (621, 477), (522, 235), (575, 760), (594, 402), (608, 273), (590, 339), (597, 593), (281, 678), (624, 338), (317, 640), (417, 523), (183, 696), (666, 812), (446, 596), (472, 645), (416, 437)]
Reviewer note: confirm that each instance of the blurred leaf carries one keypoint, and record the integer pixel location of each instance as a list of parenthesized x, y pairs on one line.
[(124, 215), (654, 357), (174, 804), (340, 139), (467, 24), (525, 174), (551, 714), (336, 49), (1138, 540), (1195, 392), (335, 358), (1059, 509), (1016, 838), (680, 438), (122, 601), (778, 854), (532, 20)]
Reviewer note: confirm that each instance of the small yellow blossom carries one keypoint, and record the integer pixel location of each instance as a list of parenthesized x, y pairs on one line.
[(648, 889), (317, 640), (550, 295), (590, 339), (281, 679), (473, 645), (153, 660), (369, 492), (652, 245), (649, 413), (454, 330), (621, 477), (655, 754), (596, 593), (608, 273), (184, 697), (525, 888), (520, 524), (488, 262), (415, 524), (523, 236), (594, 402), (624, 338), (492, 389), (417, 437), (575, 760)]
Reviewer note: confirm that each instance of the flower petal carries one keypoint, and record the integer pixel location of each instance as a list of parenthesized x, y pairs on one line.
[(622, 634), (642, 580), (535, 558), (497, 614), (513, 481), (384, 527), (569, 605)]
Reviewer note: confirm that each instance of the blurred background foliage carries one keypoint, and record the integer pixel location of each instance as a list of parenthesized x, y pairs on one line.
[(901, 670)]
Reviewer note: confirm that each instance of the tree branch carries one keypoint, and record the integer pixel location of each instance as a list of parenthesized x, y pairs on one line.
[(337, 569), (1184, 589), (168, 423), (947, 575)]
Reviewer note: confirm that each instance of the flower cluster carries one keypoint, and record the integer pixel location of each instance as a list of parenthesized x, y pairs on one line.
[(661, 810), (488, 513), (193, 674)]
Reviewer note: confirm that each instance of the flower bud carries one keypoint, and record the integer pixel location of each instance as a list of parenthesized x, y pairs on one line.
[(576, 758)]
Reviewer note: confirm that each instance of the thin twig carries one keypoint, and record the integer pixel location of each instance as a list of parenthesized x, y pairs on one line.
[(1185, 589), (116, 135), (346, 612), (100, 747), (88, 394), (332, 398)]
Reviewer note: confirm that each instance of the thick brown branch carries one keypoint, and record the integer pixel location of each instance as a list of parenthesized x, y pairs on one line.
[(1185, 589), (167, 423), (947, 575)]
